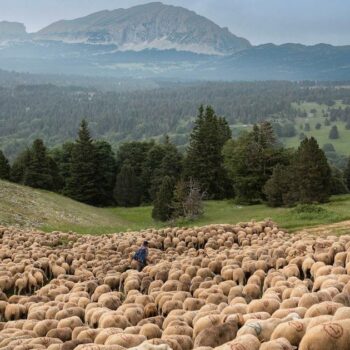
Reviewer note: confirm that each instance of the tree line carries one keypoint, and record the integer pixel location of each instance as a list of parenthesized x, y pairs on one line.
[(251, 168), (53, 113)]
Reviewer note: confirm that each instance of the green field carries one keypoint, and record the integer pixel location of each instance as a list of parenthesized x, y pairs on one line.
[(341, 145), (47, 211)]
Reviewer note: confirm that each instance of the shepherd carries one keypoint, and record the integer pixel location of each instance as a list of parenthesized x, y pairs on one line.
[(141, 256)]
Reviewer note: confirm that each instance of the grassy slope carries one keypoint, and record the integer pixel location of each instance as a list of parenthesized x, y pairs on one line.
[(341, 145), (34, 208)]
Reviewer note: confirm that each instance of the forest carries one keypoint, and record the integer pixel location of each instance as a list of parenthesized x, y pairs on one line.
[(53, 112), (251, 168)]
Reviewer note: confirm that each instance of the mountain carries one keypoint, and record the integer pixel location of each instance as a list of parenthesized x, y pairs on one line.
[(12, 31), (283, 62), (162, 41), (150, 26)]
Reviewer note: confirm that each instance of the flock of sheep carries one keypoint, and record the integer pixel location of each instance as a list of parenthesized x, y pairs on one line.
[(248, 286)]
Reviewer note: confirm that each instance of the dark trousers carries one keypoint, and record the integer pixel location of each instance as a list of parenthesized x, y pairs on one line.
[(140, 265)]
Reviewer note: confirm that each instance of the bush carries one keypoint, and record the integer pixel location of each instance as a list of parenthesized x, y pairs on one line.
[(328, 147), (308, 209)]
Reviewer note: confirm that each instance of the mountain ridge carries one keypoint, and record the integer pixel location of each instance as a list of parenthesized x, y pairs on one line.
[(162, 41), (149, 26)]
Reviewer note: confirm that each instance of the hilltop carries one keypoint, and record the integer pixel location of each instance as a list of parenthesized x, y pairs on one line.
[(149, 26)]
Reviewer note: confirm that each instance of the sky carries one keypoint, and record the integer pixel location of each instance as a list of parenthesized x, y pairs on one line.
[(259, 21)]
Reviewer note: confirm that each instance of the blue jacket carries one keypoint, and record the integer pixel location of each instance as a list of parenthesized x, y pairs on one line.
[(141, 255)]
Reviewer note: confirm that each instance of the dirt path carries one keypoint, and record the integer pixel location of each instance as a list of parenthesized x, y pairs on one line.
[(339, 228)]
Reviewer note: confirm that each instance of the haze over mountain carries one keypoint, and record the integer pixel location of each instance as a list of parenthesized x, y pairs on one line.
[(157, 40), (12, 31), (150, 26)]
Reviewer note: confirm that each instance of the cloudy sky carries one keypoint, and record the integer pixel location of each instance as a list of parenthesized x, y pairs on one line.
[(260, 21)]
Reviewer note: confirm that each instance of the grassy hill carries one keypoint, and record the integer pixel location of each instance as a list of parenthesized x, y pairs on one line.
[(27, 207), (341, 145)]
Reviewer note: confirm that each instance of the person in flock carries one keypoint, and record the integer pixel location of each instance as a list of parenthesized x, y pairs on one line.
[(141, 256)]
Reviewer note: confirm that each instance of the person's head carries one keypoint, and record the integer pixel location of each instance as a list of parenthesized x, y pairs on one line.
[(145, 243)]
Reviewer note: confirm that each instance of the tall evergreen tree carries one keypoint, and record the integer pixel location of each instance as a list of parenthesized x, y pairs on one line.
[(312, 173), (277, 186), (106, 169), (204, 161), (347, 174), (250, 161), (38, 173), (127, 187), (82, 184), (338, 183), (63, 156), (334, 133), (19, 166), (163, 208), (4, 167), (170, 165)]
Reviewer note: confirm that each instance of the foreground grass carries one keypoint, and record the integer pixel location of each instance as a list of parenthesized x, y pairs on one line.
[(47, 211)]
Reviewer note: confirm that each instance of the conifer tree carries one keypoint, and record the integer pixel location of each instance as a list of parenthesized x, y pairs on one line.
[(169, 165), (347, 174), (204, 162), (250, 161), (82, 184), (163, 208), (276, 186), (312, 173), (62, 156), (106, 169), (127, 187), (334, 133), (38, 173), (19, 166), (4, 167)]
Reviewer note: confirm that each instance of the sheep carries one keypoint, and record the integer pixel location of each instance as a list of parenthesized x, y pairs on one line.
[(248, 285)]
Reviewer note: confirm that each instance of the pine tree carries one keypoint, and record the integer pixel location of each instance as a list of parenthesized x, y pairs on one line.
[(204, 162), (169, 165), (347, 174), (63, 156), (276, 186), (19, 166), (127, 187), (105, 176), (334, 133), (38, 173), (312, 173), (338, 182), (4, 167), (250, 161), (82, 184), (163, 208)]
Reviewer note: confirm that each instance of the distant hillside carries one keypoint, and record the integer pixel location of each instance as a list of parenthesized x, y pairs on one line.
[(12, 31), (285, 62), (150, 26)]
